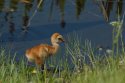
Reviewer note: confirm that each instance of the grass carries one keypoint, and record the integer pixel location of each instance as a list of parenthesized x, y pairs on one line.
[(86, 67)]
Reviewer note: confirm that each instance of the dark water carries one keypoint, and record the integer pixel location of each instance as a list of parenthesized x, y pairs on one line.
[(64, 16), (52, 16)]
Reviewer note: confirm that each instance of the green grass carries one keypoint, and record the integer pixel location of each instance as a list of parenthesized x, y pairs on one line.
[(106, 70), (99, 70)]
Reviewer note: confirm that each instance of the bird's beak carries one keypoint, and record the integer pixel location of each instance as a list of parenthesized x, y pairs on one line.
[(61, 39)]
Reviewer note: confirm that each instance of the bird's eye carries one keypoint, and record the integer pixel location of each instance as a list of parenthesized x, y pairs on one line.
[(59, 38)]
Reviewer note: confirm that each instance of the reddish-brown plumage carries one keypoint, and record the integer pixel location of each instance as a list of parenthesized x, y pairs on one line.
[(40, 52)]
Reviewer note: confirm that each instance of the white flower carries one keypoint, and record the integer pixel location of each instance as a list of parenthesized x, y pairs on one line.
[(109, 51), (116, 23)]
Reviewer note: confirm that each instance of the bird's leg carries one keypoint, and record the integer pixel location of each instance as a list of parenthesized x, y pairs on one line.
[(39, 64), (42, 67)]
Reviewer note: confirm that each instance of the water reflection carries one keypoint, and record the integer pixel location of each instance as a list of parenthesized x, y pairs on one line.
[(79, 7), (108, 5), (14, 4), (11, 27), (25, 18), (9, 19), (25, 22), (62, 23), (1, 4), (61, 5), (26, 1), (8, 13), (28, 7)]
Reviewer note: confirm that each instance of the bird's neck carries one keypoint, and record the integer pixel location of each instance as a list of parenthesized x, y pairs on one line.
[(55, 48)]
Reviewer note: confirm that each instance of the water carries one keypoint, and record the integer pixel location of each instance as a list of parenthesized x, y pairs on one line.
[(51, 17)]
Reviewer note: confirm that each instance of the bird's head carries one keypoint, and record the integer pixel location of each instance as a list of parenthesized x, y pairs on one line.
[(57, 38)]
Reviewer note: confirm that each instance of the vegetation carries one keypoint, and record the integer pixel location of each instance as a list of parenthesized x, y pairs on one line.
[(99, 69)]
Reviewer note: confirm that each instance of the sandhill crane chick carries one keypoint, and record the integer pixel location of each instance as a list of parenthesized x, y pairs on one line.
[(40, 52)]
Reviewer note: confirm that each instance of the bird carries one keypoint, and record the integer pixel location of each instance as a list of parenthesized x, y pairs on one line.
[(41, 52)]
